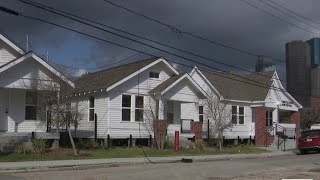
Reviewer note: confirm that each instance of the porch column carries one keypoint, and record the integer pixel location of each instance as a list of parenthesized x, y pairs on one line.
[(295, 119), (160, 107), (260, 125)]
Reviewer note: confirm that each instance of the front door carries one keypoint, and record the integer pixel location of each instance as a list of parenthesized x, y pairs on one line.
[(269, 121), (170, 112)]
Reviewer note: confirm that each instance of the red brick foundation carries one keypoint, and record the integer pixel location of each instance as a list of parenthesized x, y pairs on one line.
[(196, 128), (295, 119), (262, 137)]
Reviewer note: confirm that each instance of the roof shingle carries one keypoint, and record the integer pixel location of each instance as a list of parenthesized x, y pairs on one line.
[(106, 78), (250, 87)]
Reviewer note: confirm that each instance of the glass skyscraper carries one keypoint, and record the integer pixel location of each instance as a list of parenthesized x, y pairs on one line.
[(314, 44)]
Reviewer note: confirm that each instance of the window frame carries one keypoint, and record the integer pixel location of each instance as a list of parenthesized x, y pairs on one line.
[(31, 105), (91, 109), (138, 108), (154, 75), (201, 114), (237, 115), (126, 108)]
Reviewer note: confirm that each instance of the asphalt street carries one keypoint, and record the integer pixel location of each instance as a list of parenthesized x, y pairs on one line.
[(286, 166)]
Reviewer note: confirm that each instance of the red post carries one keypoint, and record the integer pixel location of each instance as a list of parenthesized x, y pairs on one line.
[(176, 141)]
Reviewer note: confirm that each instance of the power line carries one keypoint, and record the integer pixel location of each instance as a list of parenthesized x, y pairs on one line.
[(177, 30), (279, 18), (52, 10), (279, 10), (249, 81), (295, 13), (58, 12), (100, 67)]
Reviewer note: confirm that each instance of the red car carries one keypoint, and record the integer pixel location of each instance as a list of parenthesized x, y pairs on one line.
[(309, 141)]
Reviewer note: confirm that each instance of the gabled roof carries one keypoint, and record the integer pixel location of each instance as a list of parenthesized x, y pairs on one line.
[(39, 60), (172, 81), (11, 44), (250, 87), (110, 78), (161, 87)]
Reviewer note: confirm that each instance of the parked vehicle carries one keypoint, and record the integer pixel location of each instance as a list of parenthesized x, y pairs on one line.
[(309, 141)]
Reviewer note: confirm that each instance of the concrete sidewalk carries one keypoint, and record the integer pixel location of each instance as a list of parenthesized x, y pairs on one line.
[(112, 162)]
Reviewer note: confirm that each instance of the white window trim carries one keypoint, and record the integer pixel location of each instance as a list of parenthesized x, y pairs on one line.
[(131, 101), (202, 112), (238, 115), (134, 114), (154, 77), (133, 108), (89, 108), (35, 105)]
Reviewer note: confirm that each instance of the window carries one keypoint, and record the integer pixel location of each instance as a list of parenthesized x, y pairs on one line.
[(237, 115), (91, 108), (170, 115), (31, 105), (234, 115), (126, 107), (154, 75), (139, 108), (201, 114), (241, 115), (284, 116)]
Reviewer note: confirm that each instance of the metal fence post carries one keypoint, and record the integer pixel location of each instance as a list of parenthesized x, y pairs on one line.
[(95, 127)]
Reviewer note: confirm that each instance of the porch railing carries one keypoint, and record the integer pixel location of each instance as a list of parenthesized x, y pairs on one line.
[(284, 133), (185, 126)]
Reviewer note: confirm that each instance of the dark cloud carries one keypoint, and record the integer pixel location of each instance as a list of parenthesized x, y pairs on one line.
[(231, 22)]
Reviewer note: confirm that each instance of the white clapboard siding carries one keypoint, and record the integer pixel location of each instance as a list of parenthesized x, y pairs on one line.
[(189, 111), (243, 131), (201, 82), (16, 114), (121, 129), (182, 92), (5, 55), (26, 75), (85, 127)]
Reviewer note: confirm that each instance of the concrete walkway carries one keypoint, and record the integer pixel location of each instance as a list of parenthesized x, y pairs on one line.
[(112, 162)]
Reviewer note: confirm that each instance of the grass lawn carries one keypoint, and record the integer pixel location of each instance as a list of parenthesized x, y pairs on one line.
[(124, 152)]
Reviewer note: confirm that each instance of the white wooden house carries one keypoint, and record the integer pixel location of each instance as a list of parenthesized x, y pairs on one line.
[(122, 96), (260, 106), (21, 75)]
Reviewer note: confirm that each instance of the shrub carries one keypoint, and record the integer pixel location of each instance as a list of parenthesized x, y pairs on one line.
[(87, 144), (168, 144), (24, 148), (39, 145), (200, 145)]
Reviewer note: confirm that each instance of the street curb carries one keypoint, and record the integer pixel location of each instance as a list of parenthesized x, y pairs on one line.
[(145, 162)]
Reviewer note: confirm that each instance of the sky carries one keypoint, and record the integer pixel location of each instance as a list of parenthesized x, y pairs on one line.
[(231, 22)]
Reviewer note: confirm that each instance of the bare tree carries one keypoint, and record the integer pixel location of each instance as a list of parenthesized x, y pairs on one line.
[(309, 117), (219, 116), (52, 106), (153, 124)]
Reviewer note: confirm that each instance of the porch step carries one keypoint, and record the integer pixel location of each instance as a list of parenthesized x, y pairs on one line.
[(288, 144)]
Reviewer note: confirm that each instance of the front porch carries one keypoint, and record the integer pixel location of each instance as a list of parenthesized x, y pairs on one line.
[(274, 126), (177, 102), (19, 111)]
